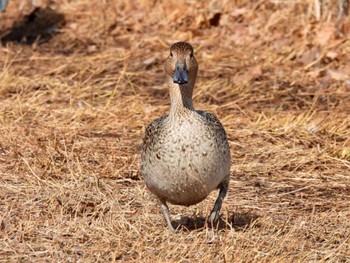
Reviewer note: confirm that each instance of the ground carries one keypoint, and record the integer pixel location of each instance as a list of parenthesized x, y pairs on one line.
[(80, 80)]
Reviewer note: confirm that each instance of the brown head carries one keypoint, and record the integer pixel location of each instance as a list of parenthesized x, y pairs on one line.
[(181, 64)]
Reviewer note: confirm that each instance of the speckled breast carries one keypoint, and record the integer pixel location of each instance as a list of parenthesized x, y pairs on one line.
[(187, 162)]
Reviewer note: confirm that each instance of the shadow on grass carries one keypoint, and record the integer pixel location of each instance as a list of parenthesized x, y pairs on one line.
[(40, 25), (238, 222)]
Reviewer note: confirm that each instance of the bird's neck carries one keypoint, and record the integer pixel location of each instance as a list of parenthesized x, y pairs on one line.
[(180, 97)]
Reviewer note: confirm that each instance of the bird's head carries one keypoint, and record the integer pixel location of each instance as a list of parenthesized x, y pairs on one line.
[(181, 65)]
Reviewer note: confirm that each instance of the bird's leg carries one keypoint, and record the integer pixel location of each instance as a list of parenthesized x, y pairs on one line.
[(214, 214), (166, 215)]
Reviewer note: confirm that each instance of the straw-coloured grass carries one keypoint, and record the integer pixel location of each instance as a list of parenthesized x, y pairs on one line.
[(74, 104)]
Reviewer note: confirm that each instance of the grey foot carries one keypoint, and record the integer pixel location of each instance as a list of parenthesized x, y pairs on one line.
[(166, 215), (214, 214)]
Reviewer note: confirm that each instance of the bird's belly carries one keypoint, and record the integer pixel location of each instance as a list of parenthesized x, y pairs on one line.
[(185, 173), (188, 192)]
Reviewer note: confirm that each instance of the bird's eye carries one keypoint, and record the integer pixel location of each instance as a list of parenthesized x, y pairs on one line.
[(171, 54), (191, 55)]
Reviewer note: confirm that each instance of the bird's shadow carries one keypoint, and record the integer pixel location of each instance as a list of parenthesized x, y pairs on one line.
[(237, 221)]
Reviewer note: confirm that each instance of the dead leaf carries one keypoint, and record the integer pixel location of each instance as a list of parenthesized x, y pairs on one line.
[(324, 35), (92, 48), (238, 11), (256, 71), (310, 55), (332, 55), (150, 60), (337, 75), (248, 75)]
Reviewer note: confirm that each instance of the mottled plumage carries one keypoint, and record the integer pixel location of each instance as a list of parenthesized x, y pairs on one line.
[(185, 154)]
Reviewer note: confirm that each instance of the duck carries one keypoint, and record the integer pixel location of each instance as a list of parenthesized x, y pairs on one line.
[(185, 155)]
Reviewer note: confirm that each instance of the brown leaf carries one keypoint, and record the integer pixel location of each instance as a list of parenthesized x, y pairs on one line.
[(238, 11), (324, 35), (337, 75), (331, 55), (249, 75), (256, 71)]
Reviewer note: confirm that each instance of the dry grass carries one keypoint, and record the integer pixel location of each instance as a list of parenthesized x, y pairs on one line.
[(73, 110)]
